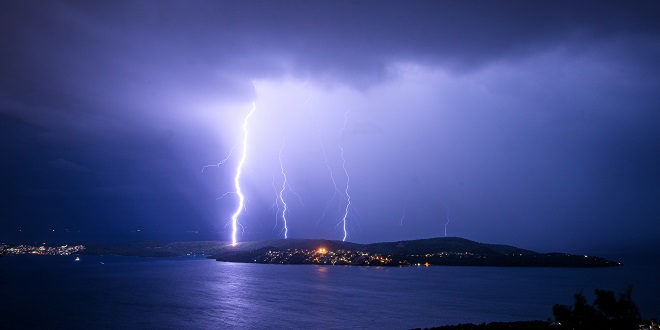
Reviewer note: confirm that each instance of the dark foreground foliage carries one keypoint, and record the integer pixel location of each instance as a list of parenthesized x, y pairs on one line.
[(606, 312)]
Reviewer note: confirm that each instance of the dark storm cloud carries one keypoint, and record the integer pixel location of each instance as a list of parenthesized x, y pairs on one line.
[(108, 90), (78, 65), (206, 44)]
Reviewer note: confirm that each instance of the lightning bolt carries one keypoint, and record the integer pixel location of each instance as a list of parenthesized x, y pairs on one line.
[(348, 180), (279, 197), (237, 178), (334, 184), (284, 206), (276, 204), (231, 151), (348, 197)]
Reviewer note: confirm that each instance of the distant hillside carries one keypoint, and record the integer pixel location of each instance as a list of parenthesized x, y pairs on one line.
[(412, 247), (445, 251), (443, 244), (156, 249), (419, 246), (174, 249), (448, 251)]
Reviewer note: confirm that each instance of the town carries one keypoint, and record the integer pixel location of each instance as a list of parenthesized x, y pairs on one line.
[(414, 253), (322, 256), (62, 250)]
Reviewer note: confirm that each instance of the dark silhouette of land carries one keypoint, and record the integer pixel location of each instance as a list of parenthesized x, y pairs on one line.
[(606, 312), (446, 251)]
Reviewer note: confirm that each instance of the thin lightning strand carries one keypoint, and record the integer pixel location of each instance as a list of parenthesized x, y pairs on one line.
[(348, 179), (225, 194), (348, 197), (284, 185), (446, 223), (334, 184), (276, 204), (231, 151), (296, 194), (237, 179)]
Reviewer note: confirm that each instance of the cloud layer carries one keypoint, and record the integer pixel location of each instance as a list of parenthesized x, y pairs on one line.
[(526, 123)]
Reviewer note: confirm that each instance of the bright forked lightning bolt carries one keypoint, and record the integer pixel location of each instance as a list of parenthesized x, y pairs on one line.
[(348, 179), (286, 229), (237, 178), (348, 197), (279, 197)]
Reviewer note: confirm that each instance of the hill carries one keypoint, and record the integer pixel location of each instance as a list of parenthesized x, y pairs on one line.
[(443, 244), (419, 246), (448, 251)]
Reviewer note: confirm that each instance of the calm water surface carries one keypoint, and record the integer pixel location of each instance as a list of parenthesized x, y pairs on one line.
[(195, 293)]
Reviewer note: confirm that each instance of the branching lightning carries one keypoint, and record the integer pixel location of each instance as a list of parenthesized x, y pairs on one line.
[(222, 161), (348, 197), (241, 149), (242, 199), (348, 180), (276, 204), (237, 178), (336, 190), (225, 194), (284, 206), (279, 198)]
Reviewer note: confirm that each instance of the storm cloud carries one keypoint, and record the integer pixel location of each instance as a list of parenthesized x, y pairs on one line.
[(527, 123)]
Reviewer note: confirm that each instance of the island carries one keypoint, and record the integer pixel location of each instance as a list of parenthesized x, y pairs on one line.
[(441, 251)]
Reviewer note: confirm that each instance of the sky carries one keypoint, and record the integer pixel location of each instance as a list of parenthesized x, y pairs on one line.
[(533, 124)]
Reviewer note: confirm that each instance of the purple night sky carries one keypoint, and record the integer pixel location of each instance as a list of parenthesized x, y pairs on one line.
[(534, 124)]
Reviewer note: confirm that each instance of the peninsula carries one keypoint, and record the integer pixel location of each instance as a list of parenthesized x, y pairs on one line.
[(443, 251)]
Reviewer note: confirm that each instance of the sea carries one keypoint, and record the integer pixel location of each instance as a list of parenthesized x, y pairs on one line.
[(113, 292)]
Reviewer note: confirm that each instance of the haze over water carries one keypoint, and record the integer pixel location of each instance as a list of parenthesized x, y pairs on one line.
[(194, 293)]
